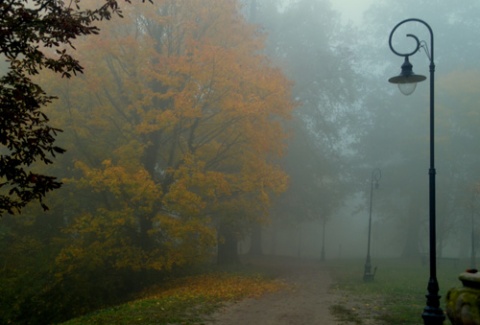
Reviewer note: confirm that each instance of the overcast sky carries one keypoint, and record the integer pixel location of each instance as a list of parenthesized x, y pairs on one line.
[(351, 9)]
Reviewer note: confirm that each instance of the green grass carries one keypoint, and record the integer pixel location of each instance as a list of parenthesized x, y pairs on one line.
[(187, 301), (167, 310), (345, 314), (397, 294)]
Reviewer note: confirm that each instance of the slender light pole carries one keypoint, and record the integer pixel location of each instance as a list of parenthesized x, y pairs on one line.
[(473, 264), (432, 313), (367, 274), (322, 254)]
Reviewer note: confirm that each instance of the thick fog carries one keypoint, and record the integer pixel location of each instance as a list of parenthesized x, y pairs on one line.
[(372, 125), (199, 130), (350, 120)]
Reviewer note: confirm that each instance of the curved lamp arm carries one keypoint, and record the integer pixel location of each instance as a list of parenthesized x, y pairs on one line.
[(407, 80), (430, 55)]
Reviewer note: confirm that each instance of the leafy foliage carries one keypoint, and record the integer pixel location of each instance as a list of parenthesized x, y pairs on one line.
[(35, 35)]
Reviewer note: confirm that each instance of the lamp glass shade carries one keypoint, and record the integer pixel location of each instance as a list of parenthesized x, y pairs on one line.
[(407, 79), (407, 88), (407, 82)]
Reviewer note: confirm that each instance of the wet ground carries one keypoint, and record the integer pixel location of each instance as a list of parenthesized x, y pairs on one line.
[(305, 300)]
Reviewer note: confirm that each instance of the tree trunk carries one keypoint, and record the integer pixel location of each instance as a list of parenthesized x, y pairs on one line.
[(273, 240), (411, 248), (256, 241), (149, 160), (227, 245)]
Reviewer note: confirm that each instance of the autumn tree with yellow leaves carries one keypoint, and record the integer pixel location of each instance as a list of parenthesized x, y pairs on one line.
[(174, 132)]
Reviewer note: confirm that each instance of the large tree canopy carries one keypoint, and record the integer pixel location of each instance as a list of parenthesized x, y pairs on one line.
[(177, 126)]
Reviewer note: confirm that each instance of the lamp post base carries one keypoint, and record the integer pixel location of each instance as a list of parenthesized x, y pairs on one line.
[(368, 275), (433, 316), (432, 313)]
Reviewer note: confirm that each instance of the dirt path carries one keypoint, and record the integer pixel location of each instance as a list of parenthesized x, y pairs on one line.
[(305, 301)]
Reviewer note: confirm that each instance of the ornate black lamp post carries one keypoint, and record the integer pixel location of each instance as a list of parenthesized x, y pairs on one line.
[(407, 80), (367, 274)]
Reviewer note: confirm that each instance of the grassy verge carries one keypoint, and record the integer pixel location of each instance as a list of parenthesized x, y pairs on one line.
[(186, 301), (396, 296)]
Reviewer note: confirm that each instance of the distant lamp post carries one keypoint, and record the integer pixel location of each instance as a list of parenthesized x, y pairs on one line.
[(473, 264), (407, 80), (368, 275), (473, 257), (322, 253)]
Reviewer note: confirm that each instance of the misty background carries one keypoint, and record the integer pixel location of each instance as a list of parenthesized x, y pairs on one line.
[(372, 125), (112, 218)]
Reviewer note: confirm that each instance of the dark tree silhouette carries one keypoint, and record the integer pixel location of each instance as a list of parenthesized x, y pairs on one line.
[(35, 35)]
